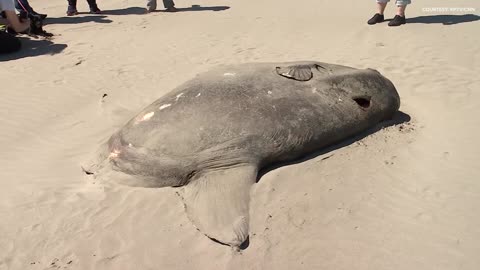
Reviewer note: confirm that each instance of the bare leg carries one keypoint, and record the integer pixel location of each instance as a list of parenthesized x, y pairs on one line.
[(399, 19), (381, 8), (401, 10), (378, 17)]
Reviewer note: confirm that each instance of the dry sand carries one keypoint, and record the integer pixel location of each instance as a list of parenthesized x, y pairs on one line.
[(406, 197)]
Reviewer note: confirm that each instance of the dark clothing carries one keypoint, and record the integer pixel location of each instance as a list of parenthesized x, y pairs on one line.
[(23, 5), (168, 3), (9, 43), (72, 5), (152, 4), (27, 11)]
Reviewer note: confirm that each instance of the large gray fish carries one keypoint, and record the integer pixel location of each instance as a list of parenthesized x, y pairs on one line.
[(214, 133)]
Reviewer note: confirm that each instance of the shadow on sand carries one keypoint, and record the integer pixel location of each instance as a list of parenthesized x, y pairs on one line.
[(34, 47), (444, 19), (125, 11), (397, 119), (78, 19), (199, 8)]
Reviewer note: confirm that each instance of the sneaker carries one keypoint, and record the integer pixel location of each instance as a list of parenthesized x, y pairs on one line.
[(377, 18), (397, 21)]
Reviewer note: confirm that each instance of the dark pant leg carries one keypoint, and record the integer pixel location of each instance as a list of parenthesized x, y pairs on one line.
[(9, 43), (72, 3), (92, 4), (23, 5), (72, 6), (151, 5), (168, 3)]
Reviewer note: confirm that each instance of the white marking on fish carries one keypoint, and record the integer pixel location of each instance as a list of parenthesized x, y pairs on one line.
[(147, 116), (130, 145), (269, 92), (165, 106), (179, 96), (114, 153), (198, 94), (228, 74)]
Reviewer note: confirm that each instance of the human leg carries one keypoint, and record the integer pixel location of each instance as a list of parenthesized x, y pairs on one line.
[(23, 5), (401, 6), (169, 5), (381, 5), (400, 19), (72, 8), (151, 5), (379, 17), (93, 6)]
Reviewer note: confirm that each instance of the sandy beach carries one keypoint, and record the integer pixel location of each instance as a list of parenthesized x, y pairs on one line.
[(404, 197)]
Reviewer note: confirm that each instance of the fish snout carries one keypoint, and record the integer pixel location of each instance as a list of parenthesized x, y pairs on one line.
[(374, 70)]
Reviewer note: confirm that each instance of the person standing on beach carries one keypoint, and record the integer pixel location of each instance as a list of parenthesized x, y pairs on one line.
[(8, 42), (24, 7), (72, 7), (398, 20), (168, 4)]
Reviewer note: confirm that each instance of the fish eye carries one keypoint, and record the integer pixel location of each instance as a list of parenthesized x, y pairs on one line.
[(363, 102)]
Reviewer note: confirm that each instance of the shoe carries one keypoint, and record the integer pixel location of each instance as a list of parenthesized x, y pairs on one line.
[(95, 10), (397, 21), (171, 9), (71, 11), (43, 16), (377, 18)]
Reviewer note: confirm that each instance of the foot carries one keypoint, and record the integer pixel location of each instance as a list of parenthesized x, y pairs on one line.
[(397, 21), (171, 9), (43, 16), (377, 18), (95, 10), (71, 11)]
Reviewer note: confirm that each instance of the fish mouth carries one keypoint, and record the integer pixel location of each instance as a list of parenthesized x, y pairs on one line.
[(363, 102)]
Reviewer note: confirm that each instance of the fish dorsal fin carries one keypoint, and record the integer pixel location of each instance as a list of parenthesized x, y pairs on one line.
[(296, 72), (217, 203)]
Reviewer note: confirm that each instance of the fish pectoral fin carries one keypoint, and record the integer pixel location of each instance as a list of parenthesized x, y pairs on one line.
[(217, 203), (298, 72)]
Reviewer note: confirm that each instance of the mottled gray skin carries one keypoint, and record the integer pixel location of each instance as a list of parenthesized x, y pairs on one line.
[(248, 115)]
